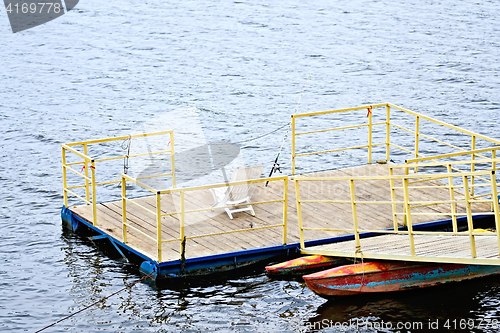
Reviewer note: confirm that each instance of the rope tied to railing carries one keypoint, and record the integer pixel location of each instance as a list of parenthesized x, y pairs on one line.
[(358, 250), (126, 147), (83, 168), (369, 111)]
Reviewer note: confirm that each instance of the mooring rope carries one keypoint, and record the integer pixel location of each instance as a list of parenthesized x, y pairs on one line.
[(263, 135), (358, 250), (97, 302)]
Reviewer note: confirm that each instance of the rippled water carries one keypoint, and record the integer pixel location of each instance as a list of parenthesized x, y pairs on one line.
[(107, 66)]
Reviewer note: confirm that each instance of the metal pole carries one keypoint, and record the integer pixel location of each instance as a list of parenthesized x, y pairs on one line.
[(388, 134), (452, 198), (494, 199), (299, 214), (158, 224), (94, 193), (354, 215), (473, 165), (417, 134), (393, 198), (470, 223), (370, 129), (182, 231), (124, 210), (285, 209), (65, 182), (293, 145), (494, 156), (408, 215), (86, 168)]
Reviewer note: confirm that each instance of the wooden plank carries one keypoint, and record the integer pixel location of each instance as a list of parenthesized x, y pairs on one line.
[(341, 213), (203, 248), (202, 223), (110, 222), (206, 223), (220, 222), (439, 246)]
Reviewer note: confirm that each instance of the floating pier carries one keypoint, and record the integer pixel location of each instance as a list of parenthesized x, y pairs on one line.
[(374, 210)]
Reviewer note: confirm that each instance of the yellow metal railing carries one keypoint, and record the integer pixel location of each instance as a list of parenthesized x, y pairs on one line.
[(410, 204), (490, 162), (158, 213), (384, 127), (89, 163)]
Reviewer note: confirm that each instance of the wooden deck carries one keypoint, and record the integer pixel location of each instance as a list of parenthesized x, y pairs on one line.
[(428, 248), (109, 216)]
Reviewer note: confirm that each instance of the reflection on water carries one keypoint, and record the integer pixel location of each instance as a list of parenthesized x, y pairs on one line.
[(424, 307), (248, 300)]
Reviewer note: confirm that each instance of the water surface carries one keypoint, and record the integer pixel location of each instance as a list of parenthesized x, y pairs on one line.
[(105, 68)]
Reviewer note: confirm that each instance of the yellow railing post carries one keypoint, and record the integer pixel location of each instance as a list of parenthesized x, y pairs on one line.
[(405, 217), (354, 215), (293, 145), (494, 201), (285, 209), (172, 158), (417, 135), (124, 210), (182, 224), (388, 134), (470, 223), (370, 130), (299, 213), (493, 157), (393, 199), (65, 181), (452, 198), (473, 165), (158, 224), (86, 168), (94, 193), (493, 166), (408, 215)]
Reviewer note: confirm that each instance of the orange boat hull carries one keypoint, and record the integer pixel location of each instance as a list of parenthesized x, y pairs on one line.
[(372, 277), (303, 264)]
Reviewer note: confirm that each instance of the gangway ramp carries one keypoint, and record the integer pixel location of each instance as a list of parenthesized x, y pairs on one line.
[(413, 197)]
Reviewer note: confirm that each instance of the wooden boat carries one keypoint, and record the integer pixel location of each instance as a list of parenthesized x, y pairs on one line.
[(301, 266), (386, 276)]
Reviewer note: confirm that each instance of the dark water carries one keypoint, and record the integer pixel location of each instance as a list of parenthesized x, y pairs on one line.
[(108, 66)]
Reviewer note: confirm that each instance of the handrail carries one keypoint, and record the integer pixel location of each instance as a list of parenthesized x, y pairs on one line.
[(461, 153), (363, 107), (393, 177), (89, 164), (389, 141), (453, 127), (118, 138), (158, 214), (473, 162), (467, 200)]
